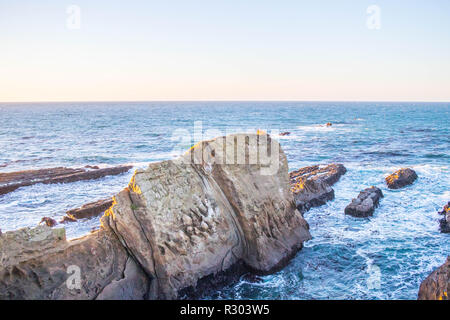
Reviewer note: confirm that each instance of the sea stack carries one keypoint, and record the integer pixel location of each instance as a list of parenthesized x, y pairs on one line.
[(401, 178), (366, 202), (222, 209)]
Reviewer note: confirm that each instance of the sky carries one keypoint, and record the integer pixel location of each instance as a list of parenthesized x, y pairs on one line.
[(346, 50)]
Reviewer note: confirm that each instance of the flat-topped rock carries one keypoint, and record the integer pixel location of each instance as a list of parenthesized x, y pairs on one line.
[(13, 180), (401, 178), (90, 210), (311, 186), (437, 285), (366, 202)]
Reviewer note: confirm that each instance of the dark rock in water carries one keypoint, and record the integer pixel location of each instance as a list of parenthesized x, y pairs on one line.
[(91, 209), (445, 221), (49, 221), (446, 209), (437, 285), (285, 133), (401, 178), (14, 180), (311, 186), (365, 204)]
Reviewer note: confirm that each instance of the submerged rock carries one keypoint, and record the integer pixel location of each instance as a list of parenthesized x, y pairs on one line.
[(49, 221), (445, 221), (366, 202), (14, 180), (401, 178), (437, 285), (181, 225), (311, 186)]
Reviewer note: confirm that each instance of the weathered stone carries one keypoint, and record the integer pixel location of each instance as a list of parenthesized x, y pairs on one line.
[(311, 186), (366, 202), (437, 285), (40, 264), (401, 178), (14, 180), (195, 222), (251, 217)]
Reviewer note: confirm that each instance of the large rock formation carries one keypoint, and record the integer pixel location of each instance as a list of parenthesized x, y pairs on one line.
[(311, 186), (223, 208), (40, 264), (401, 178), (13, 180), (366, 202), (437, 285)]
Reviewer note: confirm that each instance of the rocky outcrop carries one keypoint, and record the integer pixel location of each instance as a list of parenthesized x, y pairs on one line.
[(40, 264), (311, 186), (366, 202), (437, 285), (401, 178), (222, 209), (445, 221), (14, 180), (91, 209)]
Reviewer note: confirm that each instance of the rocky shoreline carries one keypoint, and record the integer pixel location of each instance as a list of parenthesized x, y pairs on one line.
[(182, 228)]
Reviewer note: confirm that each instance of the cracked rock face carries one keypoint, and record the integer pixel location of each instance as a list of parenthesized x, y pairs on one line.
[(437, 285), (224, 207), (184, 220)]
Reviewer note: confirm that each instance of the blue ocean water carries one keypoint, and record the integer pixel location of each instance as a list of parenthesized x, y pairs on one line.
[(382, 257)]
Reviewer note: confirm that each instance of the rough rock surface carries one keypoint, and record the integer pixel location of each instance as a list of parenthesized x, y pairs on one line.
[(437, 285), (14, 180), (213, 217), (401, 178), (206, 217), (311, 186), (38, 264), (445, 221), (366, 202)]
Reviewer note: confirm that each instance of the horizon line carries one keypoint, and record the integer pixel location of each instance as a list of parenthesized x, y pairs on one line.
[(222, 100)]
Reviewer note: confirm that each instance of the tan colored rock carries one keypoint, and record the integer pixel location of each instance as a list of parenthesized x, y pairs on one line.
[(437, 285), (247, 207), (38, 264)]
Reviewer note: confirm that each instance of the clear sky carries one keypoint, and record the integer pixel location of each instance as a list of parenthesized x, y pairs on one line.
[(224, 50)]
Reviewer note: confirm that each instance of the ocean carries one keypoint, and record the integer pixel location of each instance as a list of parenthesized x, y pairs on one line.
[(382, 257)]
